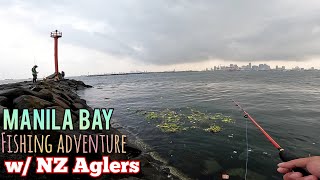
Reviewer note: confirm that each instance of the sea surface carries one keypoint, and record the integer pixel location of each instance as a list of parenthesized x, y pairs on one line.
[(286, 104)]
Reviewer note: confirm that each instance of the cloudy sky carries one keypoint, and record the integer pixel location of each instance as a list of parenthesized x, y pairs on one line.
[(127, 35)]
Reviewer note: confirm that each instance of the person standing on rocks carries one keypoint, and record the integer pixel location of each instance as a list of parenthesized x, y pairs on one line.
[(62, 74), (34, 73)]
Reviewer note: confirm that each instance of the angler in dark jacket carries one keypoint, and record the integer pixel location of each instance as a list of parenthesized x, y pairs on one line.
[(34, 73)]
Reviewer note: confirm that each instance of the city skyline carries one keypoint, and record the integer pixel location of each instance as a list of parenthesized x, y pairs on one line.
[(259, 67)]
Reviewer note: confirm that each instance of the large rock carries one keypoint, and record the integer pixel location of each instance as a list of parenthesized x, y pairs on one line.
[(46, 92), (61, 102), (43, 94), (73, 96), (63, 95), (81, 101), (15, 92), (3, 101), (78, 106), (30, 102), (37, 88), (79, 83), (1, 113), (12, 93), (53, 76)]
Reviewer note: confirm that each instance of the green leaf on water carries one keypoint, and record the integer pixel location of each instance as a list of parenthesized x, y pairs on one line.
[(171, 121), (151, 116), (213, 129), (227, 119), (169, 127)]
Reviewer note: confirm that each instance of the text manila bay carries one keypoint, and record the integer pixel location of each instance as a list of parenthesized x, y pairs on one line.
[(45, 119)]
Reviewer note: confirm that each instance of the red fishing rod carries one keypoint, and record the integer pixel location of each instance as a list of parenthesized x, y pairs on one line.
[(284, 155)]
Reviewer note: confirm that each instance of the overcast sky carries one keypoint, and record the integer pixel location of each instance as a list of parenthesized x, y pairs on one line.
[(126, 35)]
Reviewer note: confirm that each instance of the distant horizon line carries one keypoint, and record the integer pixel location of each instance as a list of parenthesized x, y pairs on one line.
[(172, 71)]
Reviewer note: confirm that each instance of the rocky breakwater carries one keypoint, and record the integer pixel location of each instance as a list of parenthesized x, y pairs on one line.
[(62, 95)]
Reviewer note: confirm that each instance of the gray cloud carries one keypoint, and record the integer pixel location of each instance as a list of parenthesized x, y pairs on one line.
[(177, 31)]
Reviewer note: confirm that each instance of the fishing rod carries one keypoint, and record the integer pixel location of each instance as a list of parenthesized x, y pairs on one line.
[(284, 155)]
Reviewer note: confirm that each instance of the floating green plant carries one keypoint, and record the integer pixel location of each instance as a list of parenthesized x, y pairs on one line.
[(170, 116), (216, 116), (227, 119), (171, 121), (198, 116), (169, 127), (213, 129), (151, 115)]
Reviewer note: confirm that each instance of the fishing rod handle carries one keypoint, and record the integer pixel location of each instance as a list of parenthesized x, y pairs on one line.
[(286, 156)]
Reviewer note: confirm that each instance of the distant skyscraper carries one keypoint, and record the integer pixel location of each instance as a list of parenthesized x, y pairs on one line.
[(255, 68), (264, 67), (250, 66)]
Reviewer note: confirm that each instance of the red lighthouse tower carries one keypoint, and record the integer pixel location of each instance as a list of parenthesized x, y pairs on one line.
[(56, 35)]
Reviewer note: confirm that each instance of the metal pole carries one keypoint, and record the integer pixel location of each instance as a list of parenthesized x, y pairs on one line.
[(56, 54)]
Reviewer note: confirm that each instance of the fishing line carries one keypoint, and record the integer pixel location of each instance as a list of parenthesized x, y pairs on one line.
[(247, 158)]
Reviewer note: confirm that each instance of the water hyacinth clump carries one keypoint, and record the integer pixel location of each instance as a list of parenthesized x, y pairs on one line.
[(170, 121), (227, 119), (169, 116), (213, 129), (197, 116), (216, 116), (169, 127), (151, 115)]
